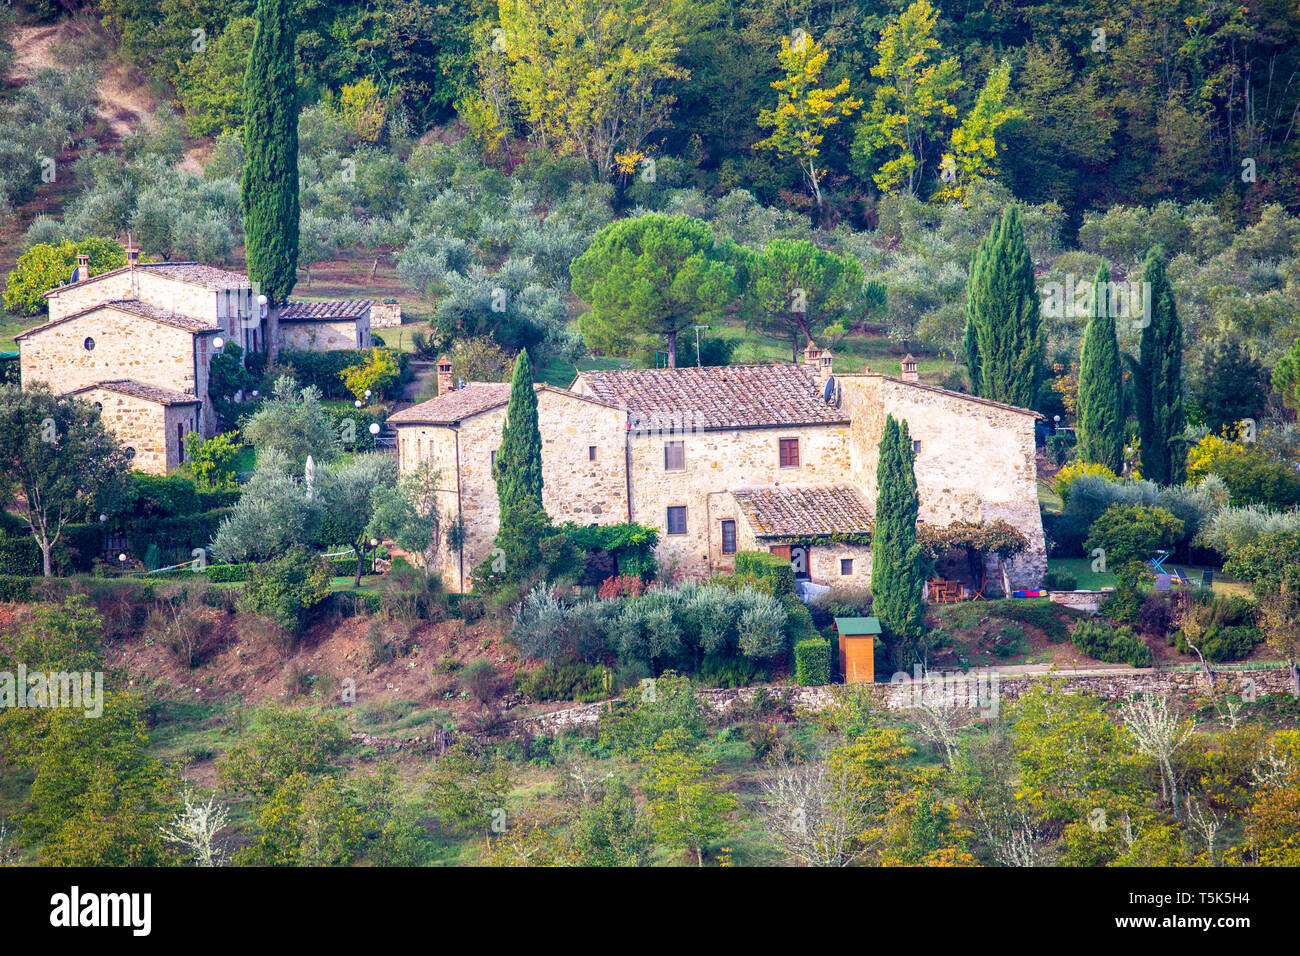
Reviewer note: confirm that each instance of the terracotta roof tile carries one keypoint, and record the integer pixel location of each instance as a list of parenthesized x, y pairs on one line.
[(792, 511), (150, 393), (210, 277), (455, 406), (324, 311), (731, 396)]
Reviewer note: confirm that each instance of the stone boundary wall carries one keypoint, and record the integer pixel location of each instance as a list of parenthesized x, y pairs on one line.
[(385, 315), (1089, 601), (896, 696)]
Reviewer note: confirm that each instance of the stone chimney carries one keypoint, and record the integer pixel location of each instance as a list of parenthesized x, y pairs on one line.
[(445, 381), (909, 369), (819, 362), (83, 267)]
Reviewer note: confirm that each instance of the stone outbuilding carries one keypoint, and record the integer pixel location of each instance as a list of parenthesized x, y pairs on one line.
[(139, 342)]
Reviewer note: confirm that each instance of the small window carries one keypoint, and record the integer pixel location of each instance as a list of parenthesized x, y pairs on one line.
[(728, 536), (677, 519), (89, 344), (789, 453), (130, 453), (494, 459), (846, 567), (674, 455), (916, 446), (591, 453)]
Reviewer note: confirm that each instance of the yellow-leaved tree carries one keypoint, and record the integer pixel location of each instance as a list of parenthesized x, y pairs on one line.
[(593, 77), (974, 145), (805, 108), (910, 108)]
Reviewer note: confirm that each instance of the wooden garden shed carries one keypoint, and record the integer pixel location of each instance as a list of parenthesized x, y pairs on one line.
[(857, 639)]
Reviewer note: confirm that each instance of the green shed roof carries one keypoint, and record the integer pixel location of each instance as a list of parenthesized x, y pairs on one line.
[(855, 626)]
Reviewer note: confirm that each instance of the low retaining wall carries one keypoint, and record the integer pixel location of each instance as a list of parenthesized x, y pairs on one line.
[(1090, 601), (385, 315), (987, 688)]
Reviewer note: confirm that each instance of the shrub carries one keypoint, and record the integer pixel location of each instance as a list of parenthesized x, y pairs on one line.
[(569, 681), (226, 573), (1076, 470), (163, 496), (1133, 532), (1057, 580), (1155, 616), (771, 568), (812, 662), (624, 585), (14, 588), (1113, 645), (480, 678), (286, 589)]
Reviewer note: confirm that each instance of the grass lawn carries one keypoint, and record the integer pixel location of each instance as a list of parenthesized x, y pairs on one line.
[(11, 325), (1090, 580)]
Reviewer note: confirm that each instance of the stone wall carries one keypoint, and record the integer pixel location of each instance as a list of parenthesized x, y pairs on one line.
[(715, 462), (575, 485), (975, 461), (125, 346), (385, 315), (325, 336), (1180, 684), (1090, 601)]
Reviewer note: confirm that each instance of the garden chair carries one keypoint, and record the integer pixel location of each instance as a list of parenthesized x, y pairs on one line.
[(1162, 582)]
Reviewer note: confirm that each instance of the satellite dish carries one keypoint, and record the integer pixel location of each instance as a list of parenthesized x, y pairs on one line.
[(828, 392)]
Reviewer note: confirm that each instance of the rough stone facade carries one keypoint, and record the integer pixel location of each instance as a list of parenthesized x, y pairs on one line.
[(680, 471), (584, 476), (385, 315), (325, 336), (153, 433)]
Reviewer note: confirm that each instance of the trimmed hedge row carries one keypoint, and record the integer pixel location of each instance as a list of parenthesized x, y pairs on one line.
[(812, 662)]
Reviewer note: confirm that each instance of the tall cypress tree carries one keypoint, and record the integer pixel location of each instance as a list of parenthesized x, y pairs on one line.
[(518, 470), (1004, 337), (897, 563), (1159, 385), (269, 186), (1101, 397)]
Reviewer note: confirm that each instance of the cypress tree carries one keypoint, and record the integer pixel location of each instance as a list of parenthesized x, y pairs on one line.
[(518, 469), (1101, 398), (269, 186), (1159, 385), (1004, 338), (897, 563)]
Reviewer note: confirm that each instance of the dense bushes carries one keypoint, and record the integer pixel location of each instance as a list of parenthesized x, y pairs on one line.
[(775, 570), (627, 548), (286, 589), (1056, 580), (571, 681), (1114, 645), (325, 369), (1225, 627), (812, 662), (651, 632)]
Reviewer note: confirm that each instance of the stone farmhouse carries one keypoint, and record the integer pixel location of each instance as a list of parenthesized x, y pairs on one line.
[(778, 457), (139, 342)]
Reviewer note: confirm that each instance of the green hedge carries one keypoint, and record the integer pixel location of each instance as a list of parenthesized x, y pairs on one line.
[(226, 573), (15, 588), (812, 662), (216, 500), (769, 567), (163, 496), (1114, 645)]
